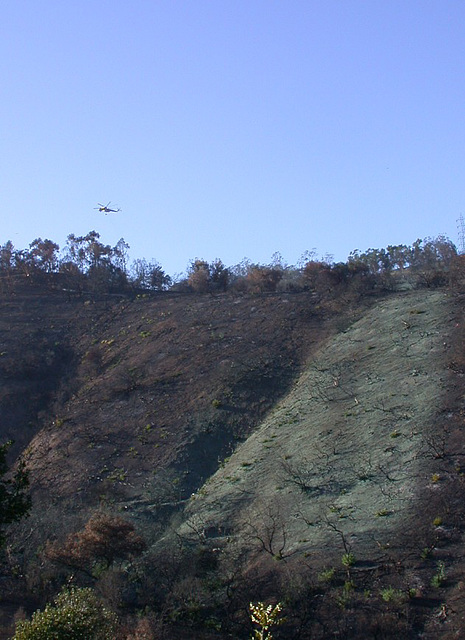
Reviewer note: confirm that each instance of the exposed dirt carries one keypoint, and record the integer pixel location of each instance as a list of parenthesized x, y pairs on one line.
[(140, 400), (349, 446)]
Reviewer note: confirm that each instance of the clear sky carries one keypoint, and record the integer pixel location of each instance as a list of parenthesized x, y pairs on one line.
[(232, 128)]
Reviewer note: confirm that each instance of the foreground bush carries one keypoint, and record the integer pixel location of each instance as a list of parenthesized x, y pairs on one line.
[(76, 615)]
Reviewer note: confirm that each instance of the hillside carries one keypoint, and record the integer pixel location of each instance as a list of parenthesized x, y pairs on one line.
[(271, 433), (349, 443)]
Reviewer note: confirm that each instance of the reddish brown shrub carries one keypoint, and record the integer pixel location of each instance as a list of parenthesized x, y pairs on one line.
[(104, 539), (264, 279)]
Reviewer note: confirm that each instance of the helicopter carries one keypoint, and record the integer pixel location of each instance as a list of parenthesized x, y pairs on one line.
[(106, 208)]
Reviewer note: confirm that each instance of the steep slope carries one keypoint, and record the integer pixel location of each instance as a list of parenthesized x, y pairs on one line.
[(235, 431), (345, 458), (162, 389), (40, 326)]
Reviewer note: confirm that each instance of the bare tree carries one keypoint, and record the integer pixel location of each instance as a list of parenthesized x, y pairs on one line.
[(268, 528)]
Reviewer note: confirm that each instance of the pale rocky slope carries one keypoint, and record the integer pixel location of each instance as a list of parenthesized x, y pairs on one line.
[(349, 447)]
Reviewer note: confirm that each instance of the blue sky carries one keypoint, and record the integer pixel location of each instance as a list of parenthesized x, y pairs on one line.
[(232, 128)]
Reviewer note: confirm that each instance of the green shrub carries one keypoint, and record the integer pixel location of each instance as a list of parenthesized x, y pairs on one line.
[(15, 503), (327, 575), (76, 615), (440, 576), (389, 594), (348, 560)]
